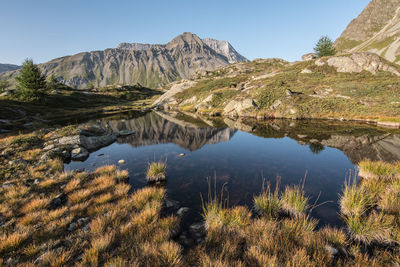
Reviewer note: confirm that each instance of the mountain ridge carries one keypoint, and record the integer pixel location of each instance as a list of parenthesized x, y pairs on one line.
[(150, 65)]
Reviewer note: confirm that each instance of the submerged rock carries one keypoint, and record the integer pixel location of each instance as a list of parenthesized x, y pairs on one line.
[(79, 153), (182, 211)]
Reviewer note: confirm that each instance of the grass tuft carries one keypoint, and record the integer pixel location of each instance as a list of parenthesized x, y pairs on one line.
[(156, 171)]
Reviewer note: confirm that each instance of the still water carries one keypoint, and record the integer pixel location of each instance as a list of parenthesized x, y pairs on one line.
[(243, 154)]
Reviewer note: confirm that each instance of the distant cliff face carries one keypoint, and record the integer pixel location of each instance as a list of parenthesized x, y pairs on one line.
[(8, 67), (150, 65), (376, 29)]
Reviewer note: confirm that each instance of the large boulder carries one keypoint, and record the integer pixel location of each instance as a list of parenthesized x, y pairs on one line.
[(357, 63), (88, 142), (236, 107)]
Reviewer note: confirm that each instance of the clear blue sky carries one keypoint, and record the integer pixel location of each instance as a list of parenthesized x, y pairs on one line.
[(46, 29)]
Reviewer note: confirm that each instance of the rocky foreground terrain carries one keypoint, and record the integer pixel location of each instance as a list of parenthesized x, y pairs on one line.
[(144, 64)]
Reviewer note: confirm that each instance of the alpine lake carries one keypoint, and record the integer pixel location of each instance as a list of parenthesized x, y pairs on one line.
[(236, 158)]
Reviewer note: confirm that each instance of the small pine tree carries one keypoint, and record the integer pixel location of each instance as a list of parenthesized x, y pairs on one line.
[(324, 47), (30, 82)]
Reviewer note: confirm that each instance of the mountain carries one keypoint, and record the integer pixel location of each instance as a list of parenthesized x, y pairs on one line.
[(149, 65), (376, 29), (226, 49), (8, 67)]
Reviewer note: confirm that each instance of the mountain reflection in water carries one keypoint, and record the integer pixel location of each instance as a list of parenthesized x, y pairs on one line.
[(242, 154)]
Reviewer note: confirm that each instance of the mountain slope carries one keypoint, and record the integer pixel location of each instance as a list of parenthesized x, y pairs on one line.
[(376, 29), (148, 65), (8, 67)]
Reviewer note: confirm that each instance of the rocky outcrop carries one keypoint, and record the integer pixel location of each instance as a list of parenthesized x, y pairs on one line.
[(149, 65), (376, 29), (358, 62), (177, 87), (236, 107), (309, 56)]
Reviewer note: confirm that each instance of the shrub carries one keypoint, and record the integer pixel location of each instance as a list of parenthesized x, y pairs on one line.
[(324, 47)]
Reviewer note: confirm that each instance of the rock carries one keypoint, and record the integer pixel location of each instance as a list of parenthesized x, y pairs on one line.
[(309, 56), (49, 147), (125, 133), (83, 220), (58, 201), (276, 104), (92, 130), (176, 88), (189, 101), (171, 204), (88, 142), (197, 230), (205, 103), (331, 250), (181, 155), (100, 155), (71, 227), (358, 62), (79, 154), (17, 162), (319, 62), (121, 162), (238, 106), (182, 211), (7, 93), (185, 241), (55, 92), (306, 71), (56, 153)]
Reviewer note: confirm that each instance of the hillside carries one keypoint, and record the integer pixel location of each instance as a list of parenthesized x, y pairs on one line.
[(360, 86), (8, 67), (376, 29), (145, 64)]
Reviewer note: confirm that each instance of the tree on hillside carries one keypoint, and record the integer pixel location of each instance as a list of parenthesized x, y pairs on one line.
[(30, 82), (324, 47)]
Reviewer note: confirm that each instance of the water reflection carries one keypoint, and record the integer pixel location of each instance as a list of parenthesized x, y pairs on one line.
[(242, 154)]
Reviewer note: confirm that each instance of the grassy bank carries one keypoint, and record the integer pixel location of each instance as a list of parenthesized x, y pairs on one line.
[(53, 218), (72, 104), (295, 90)]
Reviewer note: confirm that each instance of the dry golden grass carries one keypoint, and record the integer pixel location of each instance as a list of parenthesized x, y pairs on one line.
[(11, 241), (79, 196), (35, 204)]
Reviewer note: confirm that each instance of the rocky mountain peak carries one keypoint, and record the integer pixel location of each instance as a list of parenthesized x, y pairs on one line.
[(185, 39)]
